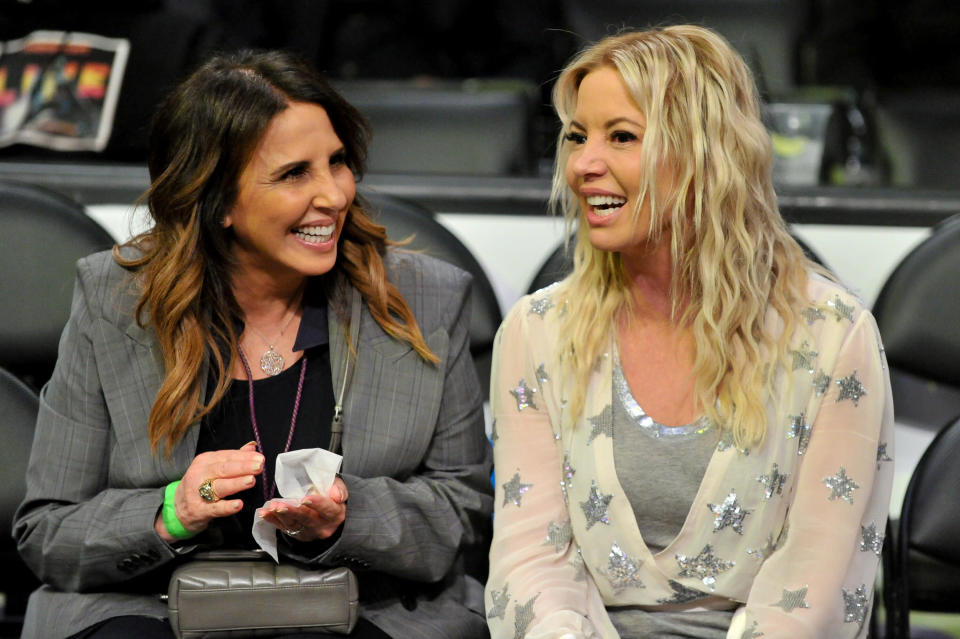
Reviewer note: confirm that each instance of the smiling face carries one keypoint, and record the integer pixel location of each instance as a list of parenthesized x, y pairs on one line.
[(292, 198), (605, 166)]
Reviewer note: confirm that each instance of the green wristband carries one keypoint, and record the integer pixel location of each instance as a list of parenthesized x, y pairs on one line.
[(169, 514)]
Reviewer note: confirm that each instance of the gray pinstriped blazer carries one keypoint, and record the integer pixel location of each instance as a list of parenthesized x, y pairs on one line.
[(416, 461)]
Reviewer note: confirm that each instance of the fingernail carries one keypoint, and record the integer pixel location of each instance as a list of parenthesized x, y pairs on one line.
[(281, 510), (249, 443), (250, 481), (343, 497)]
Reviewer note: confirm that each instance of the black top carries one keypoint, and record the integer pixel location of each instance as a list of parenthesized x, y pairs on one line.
[(228, 425)]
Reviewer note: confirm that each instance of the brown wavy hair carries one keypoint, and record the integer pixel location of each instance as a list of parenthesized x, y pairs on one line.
[(202, 136)]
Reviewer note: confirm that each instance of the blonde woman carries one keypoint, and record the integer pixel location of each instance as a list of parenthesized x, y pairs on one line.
[(693, 432)]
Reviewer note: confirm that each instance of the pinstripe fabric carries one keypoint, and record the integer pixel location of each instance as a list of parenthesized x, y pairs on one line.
[(416, 461)]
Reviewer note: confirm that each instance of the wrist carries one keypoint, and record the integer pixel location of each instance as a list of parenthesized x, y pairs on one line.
[(168, 514)]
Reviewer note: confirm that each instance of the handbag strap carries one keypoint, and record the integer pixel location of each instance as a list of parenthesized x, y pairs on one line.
[(336, 424)]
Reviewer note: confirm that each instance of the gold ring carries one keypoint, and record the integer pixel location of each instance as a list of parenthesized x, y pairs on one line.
[(207, 493)]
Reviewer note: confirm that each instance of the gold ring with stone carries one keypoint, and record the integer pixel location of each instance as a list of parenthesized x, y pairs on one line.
[(292, 533), (207, 493)]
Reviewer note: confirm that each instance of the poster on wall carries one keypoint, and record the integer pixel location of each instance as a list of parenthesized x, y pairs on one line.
[(58, 90)]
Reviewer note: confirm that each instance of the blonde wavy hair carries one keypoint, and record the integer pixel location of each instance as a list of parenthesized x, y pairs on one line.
[(201, 138), (733, 260)]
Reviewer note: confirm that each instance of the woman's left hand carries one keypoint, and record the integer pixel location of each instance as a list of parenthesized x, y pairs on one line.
[(317, 517)]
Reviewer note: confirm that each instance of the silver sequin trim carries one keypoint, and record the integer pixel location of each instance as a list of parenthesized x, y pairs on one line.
[(639, 417)]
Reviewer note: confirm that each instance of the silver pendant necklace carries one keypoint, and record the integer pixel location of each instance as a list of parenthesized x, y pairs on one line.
[(271, 362)]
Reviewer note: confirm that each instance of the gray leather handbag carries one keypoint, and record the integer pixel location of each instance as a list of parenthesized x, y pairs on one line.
[(245, 594)]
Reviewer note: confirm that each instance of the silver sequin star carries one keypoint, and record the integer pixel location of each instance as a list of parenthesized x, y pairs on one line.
[(705, 566), (542, 376), (803, 359), (523, 617), (513, 490), (870, 539), (524, 395), (579, 566), (558, 535), (540, 306), (727, 442), (602, 424), (850, 388), (820, 383), (791, 599), (855, 605), (681, 594), (729, 513), (772, 482), (500, 599), (801, 429), (812, 314), (622, 571), (751, 632), (841, 486), (595, 507), (882, 454), (566, 482), (840, 309)]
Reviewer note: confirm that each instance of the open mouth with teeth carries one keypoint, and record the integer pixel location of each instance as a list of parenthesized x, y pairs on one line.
[(315, 234), (604, 205)]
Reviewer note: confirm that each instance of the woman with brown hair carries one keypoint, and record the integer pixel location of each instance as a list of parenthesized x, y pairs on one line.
[(262, 312), (693, 429)]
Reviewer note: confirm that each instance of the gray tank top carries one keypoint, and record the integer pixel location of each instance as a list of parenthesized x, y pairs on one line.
[(660, 468)]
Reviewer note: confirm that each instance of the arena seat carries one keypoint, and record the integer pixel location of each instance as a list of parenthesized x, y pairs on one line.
[(42, 235)]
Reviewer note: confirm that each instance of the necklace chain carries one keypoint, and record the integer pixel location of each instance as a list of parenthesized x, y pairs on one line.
[(268, 495), (269, 342), (272, 362)]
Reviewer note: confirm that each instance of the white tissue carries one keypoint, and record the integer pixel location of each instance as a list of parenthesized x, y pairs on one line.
[(298, 472)]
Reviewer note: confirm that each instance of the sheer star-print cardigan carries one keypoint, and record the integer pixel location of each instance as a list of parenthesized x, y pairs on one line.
[(791, 531)]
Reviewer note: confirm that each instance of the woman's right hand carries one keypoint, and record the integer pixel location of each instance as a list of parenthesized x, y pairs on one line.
[(229, 471)]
